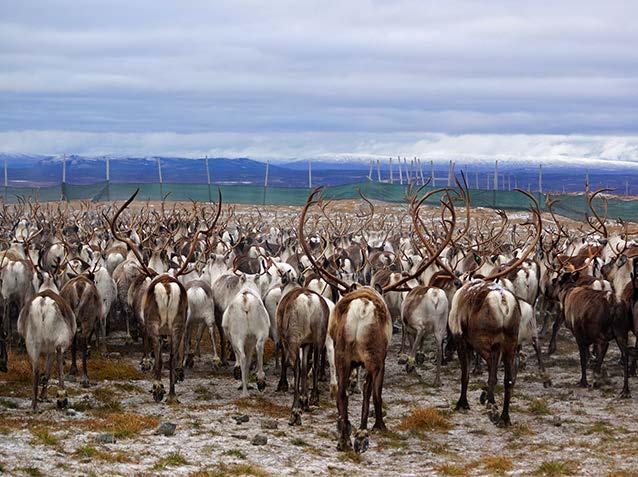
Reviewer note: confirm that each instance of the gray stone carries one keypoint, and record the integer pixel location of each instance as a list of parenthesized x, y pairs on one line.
[(259, 440), (242, 418), (557, 421), (242, 437), (270, 424), (106, 438), (166, 429)]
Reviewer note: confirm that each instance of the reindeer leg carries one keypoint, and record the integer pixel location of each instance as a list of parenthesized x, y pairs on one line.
[(45, 378), (222, 340), (198, 339), (173, 345), (295, 416), (317, 351), (343, 378), (377, 388), (439, 360), (365, 407), (323, 377), (261, 376), (36, 382), (477, 364), (601, 349), (102, 324), (73, 371), (187, 345), (551, 349), (416, 345), (492, 370), (62, 399), (283, 378), (584, 354), (158, 388), (508, 384), (621, 337), (216, 360), (304, 377), (464, 359), (84, 380), (361, 439)]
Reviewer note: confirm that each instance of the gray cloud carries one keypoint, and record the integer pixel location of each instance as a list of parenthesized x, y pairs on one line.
[(299, 70)]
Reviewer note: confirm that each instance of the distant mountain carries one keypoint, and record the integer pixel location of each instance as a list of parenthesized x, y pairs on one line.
[(42, 170)]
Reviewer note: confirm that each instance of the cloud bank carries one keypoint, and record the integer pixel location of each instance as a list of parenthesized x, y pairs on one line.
[(287, 78)]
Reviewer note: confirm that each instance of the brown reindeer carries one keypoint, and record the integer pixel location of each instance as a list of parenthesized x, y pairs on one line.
[(164, 307), (82, 295), (361, 328), (485, 318)]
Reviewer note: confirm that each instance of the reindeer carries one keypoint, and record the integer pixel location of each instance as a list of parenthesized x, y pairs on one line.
[(164, 306), (247, 325), (302, 323), (48, 325), (485, 317), (82, 296), (360, 327)]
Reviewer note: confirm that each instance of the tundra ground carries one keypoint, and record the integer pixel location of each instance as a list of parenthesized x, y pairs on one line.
[(560, 430)]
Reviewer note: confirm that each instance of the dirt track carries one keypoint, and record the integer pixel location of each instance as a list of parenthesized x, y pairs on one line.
[(598, 434)]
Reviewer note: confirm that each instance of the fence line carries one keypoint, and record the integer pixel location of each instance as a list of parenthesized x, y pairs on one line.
[(569, 205)]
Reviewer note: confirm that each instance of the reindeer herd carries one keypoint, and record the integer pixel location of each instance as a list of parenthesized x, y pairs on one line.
[(328, 286)]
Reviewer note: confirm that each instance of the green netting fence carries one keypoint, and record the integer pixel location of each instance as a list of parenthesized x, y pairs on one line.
[(570, 205)]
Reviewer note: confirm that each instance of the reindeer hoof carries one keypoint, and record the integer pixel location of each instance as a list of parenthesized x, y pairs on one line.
[(158, 391), (145, 365), (237, 373), (409, 367), (190, 361), (43, 380), (179, 375), (344, 445), (295, 418), (216, 364), (63, 400), (361, 441), (379, 426), (403, 359), (172, 399), (85, 382), (483, 398), (70, 377), (503, 421), (314, 399), (625, 394), (261, 384), (462, 405), (282, 387), (420, 358), (583, 384)]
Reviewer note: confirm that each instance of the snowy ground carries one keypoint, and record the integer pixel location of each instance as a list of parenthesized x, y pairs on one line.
[(597, 434)]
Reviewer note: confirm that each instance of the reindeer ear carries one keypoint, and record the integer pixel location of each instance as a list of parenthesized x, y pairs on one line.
[(378, 288)]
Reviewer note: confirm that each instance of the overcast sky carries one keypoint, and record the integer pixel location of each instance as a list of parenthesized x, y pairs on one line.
[(329, 78)]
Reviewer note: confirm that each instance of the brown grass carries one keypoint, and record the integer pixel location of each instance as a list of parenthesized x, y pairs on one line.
[(262, 406), (100, 369), (121, 425), (226, 470), (451, 469), (92, 453), (425, 419), (496, 464)]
